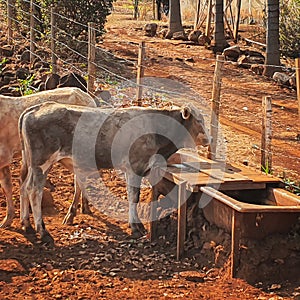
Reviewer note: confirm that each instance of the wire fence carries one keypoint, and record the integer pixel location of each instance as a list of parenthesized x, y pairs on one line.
[(124, 86)]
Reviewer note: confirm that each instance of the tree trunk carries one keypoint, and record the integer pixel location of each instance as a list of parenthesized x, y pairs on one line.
[(175, 24), (219, 43), (272, 53)]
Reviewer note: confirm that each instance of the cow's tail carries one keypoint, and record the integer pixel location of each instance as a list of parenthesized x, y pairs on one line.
[(24, 167), (21, 120), (21, 125)]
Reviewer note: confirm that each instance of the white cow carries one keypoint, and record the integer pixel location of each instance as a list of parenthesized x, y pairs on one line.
[(10, 110)]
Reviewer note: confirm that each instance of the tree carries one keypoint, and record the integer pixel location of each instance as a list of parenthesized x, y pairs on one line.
[(72, 18), (175, 24), (220, 42), (289, 28), (272, 60)]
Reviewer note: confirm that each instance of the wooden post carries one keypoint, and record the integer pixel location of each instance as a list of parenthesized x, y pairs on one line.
[(9, 22), (91, 57), (153, 9), (208, 18), (32, 33), (266, 137), (181, 225), (235, 241), (297, 61), (140, 73), (136, 9), (53, 38), (212, 149), (237, 20), (153, 214)]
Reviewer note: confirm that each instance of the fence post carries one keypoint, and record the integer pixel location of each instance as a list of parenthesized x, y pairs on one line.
[(181, 223), (297, 62), (9, 22), (136, 9), (215, 107), (53, 39), (266, 138), (32, 33), (91, 57), (140, 73)]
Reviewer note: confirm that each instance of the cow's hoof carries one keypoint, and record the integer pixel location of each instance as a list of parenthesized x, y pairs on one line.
[(47, 239), (28, 230), (138, 230), (7, 221), (86, 210), (68, 220), (136, 235), (141, 228)]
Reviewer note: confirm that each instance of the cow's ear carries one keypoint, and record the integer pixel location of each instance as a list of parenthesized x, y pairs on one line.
[(186, 112)]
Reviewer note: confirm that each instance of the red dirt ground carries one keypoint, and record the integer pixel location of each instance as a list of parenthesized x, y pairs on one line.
[(96, 257)]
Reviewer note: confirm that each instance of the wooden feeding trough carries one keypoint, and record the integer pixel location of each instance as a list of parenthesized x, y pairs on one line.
[(246, 203), (251, 214)]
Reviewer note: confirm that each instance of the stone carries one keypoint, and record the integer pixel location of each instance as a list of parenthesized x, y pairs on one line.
[(204, 40), (73, 80), (52, 82), (292, 81), (25, 56), (103, 96), (10, 90), (179, 35), (7, 51), (163, 33), (22, 73), (194, 35), (232, 52), (150, 29), (6, 79), (257, 69), (253, 53), (244, 62), (38, 64), (281, 78), (256, 60)]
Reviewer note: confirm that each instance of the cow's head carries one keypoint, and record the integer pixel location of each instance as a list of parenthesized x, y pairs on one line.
[(194, 122)]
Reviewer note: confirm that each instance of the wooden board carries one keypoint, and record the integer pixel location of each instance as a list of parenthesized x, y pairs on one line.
[(221, 171), (200, 171), (193, 179)]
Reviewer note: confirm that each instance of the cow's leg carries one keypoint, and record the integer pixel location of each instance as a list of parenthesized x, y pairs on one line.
[(24, 200), (74, 205), (35, 185), (24, 209), (6, 184), (133, 190), (85, 208)]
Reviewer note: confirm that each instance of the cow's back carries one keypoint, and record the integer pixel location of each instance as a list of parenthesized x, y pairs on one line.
[(12, 107), (65, 95)]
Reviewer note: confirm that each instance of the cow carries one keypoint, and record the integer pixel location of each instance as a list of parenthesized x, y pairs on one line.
[(86, 140), (10, 110)]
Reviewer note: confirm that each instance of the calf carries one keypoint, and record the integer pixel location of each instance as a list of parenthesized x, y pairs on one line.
[(87, 140), (10, 111)]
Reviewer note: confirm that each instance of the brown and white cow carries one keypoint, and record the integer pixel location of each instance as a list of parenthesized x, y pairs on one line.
[(10, 111), (87, 139)]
